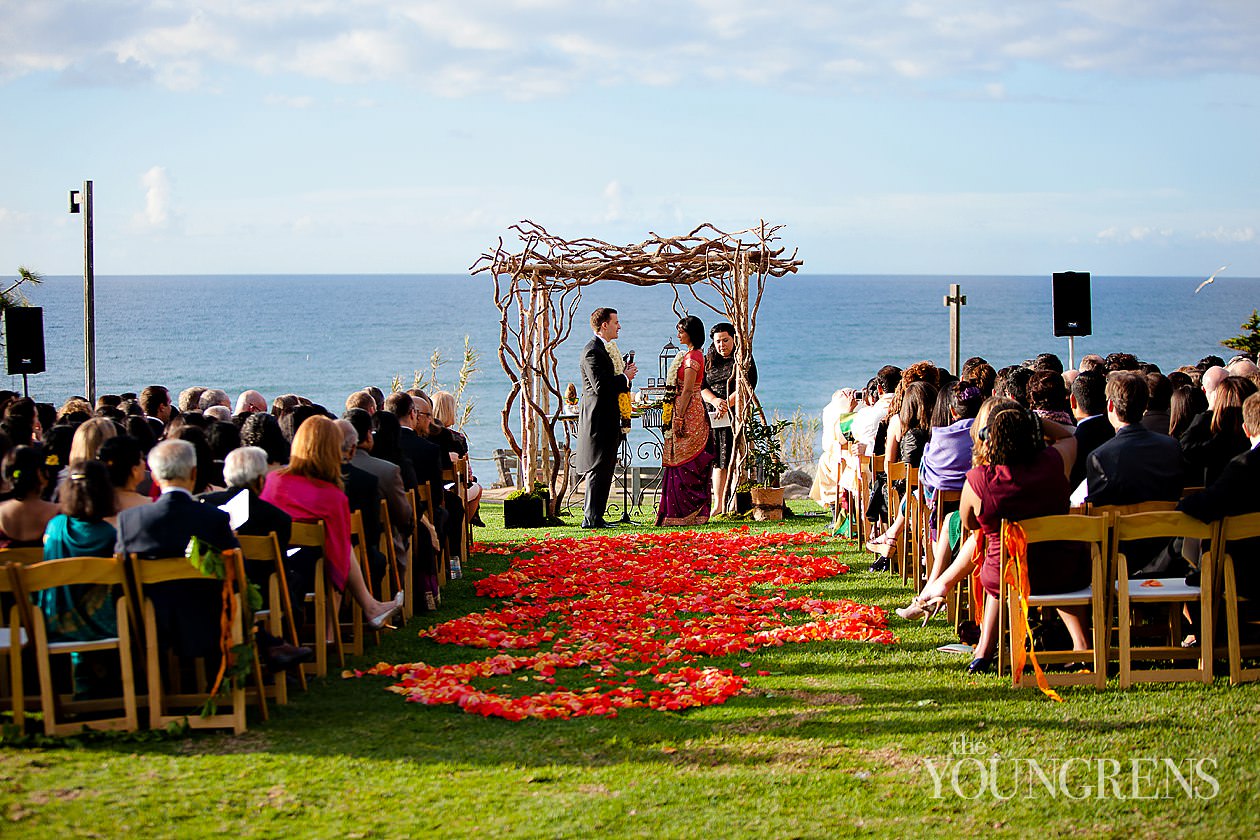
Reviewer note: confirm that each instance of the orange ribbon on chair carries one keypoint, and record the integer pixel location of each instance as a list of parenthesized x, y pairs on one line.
[(1016, 576)]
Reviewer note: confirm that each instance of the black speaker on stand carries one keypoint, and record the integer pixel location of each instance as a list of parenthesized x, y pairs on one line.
[(1073, 313), (24, 341)]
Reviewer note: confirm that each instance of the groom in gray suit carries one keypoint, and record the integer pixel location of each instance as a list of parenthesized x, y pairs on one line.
[(599, 420)]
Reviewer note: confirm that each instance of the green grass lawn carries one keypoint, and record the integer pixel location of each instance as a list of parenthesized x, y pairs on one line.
[(835, 742)]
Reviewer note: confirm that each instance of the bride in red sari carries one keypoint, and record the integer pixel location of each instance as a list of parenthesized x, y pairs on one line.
[(686, 455)]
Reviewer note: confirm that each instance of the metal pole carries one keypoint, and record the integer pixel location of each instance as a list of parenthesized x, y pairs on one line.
[(89, 297), (955, 301), (1071, 352)]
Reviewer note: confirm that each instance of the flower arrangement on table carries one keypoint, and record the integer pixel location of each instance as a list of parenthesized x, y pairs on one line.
[(623, 399)]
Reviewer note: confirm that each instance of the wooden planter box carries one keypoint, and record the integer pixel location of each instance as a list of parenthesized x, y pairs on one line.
[(525, 512), (767, 503)]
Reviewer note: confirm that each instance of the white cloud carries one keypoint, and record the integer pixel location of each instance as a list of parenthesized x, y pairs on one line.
[(1229, 235), (613, 199), (532, 48), (157, 198)]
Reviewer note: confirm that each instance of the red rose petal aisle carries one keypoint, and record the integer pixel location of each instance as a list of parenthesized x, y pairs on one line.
[(627, 616)]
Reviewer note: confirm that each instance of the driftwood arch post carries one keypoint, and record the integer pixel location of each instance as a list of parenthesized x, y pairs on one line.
[(537, 291)]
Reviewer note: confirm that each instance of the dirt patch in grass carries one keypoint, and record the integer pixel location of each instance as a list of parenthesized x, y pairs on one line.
[(243, 744)]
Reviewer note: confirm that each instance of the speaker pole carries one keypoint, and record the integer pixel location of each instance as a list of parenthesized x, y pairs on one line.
[(955, 301), (81, 202), (26, 390), (1071, 352)]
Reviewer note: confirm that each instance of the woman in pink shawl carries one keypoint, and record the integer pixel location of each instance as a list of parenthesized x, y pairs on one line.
[(309, 488)]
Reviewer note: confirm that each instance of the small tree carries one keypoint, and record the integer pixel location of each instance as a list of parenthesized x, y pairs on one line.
[(12, 296), (1248, 341)]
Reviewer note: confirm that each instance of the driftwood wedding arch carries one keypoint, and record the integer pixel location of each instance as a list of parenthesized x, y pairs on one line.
[(538, 289)]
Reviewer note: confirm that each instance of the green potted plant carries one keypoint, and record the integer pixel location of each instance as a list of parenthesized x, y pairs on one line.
[(765, 450), (526, 508)]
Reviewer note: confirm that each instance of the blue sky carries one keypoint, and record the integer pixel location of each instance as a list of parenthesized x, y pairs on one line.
[(236, 136)]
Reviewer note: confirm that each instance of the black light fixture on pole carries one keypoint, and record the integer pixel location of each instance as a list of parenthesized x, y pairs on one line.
[(81, 202)]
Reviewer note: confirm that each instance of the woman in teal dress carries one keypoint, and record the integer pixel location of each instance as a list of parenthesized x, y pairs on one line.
[(81, 612)]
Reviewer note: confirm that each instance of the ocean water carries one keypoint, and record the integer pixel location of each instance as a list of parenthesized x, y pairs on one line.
[(324, 336)]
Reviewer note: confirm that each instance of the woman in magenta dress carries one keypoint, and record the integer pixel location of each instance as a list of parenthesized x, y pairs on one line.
[(686, 455)]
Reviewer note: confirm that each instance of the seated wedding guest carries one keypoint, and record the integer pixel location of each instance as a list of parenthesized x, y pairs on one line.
[(979, 373), (187, 611), (906, 444), (1210, 362), (1089, 405), (283, 404), (209, 475), (263, 431), (363, 493), (386, 434), (455, 445), (310, 488), (249, 402), (1186, 403), (1159, 391), (872, 419), (1121, 361), (719, 393), (1137, 465), (1234, 493), (83, 612), (190, 399), (1048, 396), (1012, 383), (124, 463), (156, 402), (218, 414), (21, 423), (1019, 478), (244, 471), (378, 395), (212, 397), (89, 437), (1092, 363), (1048, 361), (388, 479), (1216, 436), (361, 400), (140, 429), (222, 436), (836, 464), (24, 514)]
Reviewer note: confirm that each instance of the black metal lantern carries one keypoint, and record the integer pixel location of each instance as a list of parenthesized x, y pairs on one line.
[(668, 352)]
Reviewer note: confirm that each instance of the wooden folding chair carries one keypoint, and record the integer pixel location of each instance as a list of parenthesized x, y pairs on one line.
[(1173, 593), (13, 640), (457, 474), (163, 702), (278, 614), (32, 579), (1092, 531), (1232, 529), (896, 471), (844, 503), (424, 498), (358, 548), (312, 535), (409, 573), (391, 581), (24, 556), (868, 466)]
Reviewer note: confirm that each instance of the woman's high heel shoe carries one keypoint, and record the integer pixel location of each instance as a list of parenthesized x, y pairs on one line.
[(980, 665), (921, 609), (931, 607)]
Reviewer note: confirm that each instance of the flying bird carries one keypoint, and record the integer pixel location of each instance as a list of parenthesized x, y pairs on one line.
[(1213, 277)]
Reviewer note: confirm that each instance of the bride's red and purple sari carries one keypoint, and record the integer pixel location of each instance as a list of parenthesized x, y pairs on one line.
[(686, 455)]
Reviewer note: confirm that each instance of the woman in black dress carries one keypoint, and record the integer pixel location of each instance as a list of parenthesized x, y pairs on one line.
[(719, 385)]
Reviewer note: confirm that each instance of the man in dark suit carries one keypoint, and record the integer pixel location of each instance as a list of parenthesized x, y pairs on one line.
[(1137, 465), (187, 611), (1236, 491), (388, 479), (1088, 399), (364, 497), (599, 419)]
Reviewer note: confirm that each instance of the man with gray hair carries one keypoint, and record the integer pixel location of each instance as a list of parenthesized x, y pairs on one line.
[(190, 399), (244, 470), (187, 611), (214, 396)]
